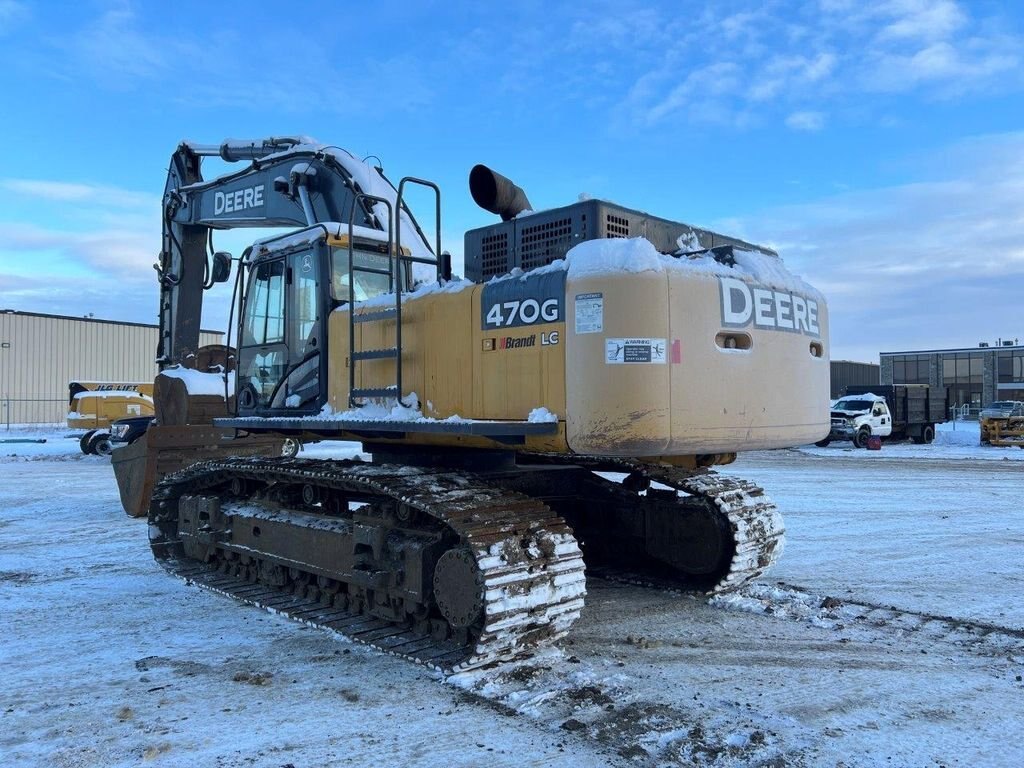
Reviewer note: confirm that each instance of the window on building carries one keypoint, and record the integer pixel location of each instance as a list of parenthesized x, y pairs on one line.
[(911, 369), (963, 373), (1010, 368), (977, 368), (948, 370)]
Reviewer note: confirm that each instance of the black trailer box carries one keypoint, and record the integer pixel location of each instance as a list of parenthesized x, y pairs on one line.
[(915, 408)]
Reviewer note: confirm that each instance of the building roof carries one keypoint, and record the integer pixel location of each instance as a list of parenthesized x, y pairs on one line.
[(993, 348), (89, 319)]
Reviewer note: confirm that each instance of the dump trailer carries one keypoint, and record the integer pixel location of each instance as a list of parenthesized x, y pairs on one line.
[(915, 408), (571, 397)]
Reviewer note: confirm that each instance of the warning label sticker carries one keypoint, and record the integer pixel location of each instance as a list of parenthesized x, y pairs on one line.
[(589, 312), (619, 351)]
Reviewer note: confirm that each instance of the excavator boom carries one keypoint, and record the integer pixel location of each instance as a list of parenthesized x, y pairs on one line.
[(288, 182)]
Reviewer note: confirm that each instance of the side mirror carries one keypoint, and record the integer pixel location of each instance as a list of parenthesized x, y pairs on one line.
[(221, 269)]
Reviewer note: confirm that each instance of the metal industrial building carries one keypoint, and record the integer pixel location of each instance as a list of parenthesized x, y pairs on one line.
[(846, 372), (40, 354), (976, 376)]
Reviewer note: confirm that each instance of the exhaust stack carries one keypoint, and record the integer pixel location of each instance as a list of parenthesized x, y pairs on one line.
[(494, 193)]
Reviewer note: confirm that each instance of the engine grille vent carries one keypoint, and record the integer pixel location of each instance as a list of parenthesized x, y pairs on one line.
[(494, 253), (617, 226), (536, 240), (543, 243)]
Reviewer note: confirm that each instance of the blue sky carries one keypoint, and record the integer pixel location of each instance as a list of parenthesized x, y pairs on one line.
[(878, 145)]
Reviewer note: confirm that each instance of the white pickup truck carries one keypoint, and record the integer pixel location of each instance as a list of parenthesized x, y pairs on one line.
[(858, 417)]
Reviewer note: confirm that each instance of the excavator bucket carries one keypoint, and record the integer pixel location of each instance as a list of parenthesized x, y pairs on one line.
[(182, 435), (165, 450)]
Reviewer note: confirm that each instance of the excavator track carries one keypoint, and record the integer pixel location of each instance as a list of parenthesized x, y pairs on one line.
[(751, 533), (757, 528), (507, 572)]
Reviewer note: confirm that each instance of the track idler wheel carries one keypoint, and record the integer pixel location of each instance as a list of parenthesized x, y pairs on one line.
[(458, 588)]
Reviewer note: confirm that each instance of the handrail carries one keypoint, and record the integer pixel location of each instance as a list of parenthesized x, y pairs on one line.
[(394, 284), (400, 206)]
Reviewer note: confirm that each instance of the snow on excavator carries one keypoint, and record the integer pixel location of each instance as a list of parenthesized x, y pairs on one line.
[(567, 399)]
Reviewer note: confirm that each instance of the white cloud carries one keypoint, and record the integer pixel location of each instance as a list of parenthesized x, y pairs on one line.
[(782, 73), (940, 64), (766, 62), (114, 254), (90, 250), (711, 81), (119, 50), (915, 266), (115, 50), (922, 19), (806, 121), (96, 194)]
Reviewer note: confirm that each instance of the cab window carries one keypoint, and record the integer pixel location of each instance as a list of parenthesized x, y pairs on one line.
[(367, 285), (264, 307)]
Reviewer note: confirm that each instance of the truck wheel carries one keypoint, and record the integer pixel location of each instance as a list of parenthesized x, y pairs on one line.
[(100, 444), (291, 447), (860, 440), (83, 443), (928, 434), (824, 443)]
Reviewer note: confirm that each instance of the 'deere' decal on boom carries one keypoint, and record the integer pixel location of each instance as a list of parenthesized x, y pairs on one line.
[(745, 303)]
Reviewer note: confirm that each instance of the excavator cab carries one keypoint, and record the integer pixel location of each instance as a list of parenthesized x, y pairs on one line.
[(282, 334), (279, 355), (292, 286)]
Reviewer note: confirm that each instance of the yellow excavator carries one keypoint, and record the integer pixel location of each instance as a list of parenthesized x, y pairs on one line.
[(565, 401)]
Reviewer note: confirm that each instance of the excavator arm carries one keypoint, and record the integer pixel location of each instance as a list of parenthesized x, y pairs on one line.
[(289, 182)]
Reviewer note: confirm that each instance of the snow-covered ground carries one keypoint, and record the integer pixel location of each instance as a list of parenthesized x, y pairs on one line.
[(953, 440), (891, 633)]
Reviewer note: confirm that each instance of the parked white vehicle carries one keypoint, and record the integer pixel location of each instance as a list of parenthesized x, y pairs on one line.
[(858, 417), (1002, 409)]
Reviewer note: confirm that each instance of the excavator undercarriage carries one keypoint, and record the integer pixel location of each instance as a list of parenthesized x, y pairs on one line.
[(454, 568)]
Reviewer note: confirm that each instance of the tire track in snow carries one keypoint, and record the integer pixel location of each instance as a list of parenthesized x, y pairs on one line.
[(792, 602)]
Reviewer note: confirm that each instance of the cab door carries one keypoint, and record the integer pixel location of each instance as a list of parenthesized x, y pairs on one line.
[(881, 420), (263, 352), (306, 323), (282, 357)]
